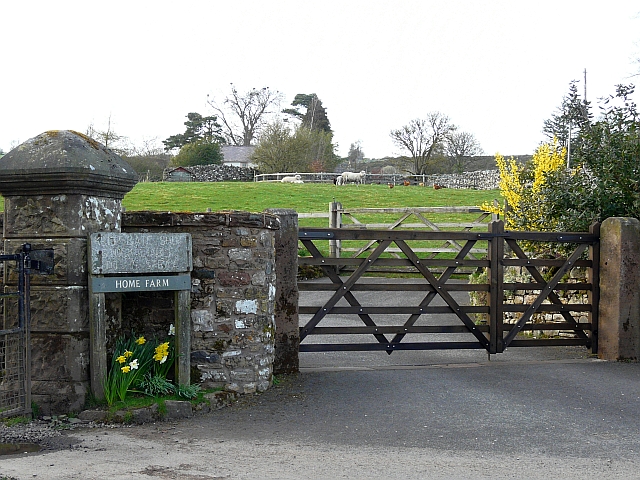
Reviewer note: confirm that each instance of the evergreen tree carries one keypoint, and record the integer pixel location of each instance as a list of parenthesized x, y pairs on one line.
[(199, 129), (314, 117), (570, 117)]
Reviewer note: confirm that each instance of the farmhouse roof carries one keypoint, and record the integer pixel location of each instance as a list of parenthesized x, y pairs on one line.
[(178, 169), (237, 154)]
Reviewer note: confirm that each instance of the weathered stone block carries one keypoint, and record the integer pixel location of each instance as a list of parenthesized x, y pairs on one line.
[(61, 309), (56, 397), (177, 409), (240, 254), (60, 215), (59, 357), (233, 279)]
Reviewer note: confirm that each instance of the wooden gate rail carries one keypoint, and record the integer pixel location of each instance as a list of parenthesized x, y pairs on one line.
[(337, 212), (494, 335)]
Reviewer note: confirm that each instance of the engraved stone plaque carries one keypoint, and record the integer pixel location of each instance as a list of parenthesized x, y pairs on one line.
[(117, 253)]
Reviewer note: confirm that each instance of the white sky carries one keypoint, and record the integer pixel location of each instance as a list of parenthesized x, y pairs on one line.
[(497, 68)]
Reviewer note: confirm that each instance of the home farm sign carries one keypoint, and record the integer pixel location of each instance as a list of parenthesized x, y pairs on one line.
[(135, 262)]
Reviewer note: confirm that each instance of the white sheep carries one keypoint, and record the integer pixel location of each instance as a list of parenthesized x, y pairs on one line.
[(292, 179), (353, 177)]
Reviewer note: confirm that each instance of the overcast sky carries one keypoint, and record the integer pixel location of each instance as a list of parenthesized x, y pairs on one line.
[(496, 68)]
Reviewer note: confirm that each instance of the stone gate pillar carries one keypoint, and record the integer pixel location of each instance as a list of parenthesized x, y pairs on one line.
[(287, 341), (59, 188), (619, 316)]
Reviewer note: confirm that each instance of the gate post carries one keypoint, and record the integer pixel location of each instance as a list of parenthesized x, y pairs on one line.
[(287, 336), (335, 221), (59, 187), (495, 253), (619, 313)]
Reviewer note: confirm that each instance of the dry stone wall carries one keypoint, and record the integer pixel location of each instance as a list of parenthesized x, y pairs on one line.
[(480, 180), (232, 296), (220, 173), (527, 297)]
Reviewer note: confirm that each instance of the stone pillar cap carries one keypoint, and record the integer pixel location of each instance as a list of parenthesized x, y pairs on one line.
[(65, 162)]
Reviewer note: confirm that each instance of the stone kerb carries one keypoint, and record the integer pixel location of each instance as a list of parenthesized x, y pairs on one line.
[(59, 187), (232, 294)]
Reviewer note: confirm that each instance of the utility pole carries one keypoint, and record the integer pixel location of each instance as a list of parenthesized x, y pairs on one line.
[(569, 147), (585, 85)]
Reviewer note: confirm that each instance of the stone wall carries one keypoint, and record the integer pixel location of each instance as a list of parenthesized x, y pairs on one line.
[(527, 297), (220, 173), (480, 180), (232, 296)]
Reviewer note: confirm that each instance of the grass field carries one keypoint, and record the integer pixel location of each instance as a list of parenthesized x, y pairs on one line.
[(307, 198), (304, 198)]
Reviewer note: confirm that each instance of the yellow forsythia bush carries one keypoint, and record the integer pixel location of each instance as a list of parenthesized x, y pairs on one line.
[(522, 187)]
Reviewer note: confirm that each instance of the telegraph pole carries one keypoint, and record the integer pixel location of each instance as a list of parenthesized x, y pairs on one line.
[(585, 85)]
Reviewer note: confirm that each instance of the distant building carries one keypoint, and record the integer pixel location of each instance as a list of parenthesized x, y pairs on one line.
[(178, 174), (238, 156)]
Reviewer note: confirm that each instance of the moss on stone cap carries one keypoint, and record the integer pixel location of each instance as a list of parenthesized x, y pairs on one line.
[(65, 161)]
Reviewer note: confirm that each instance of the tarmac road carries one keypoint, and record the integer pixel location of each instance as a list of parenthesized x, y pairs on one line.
[(535, 413), (569, 418)]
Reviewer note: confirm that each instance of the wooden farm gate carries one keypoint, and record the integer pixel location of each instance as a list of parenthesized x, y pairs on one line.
[(442, 317), (402, 219), (15, 353)]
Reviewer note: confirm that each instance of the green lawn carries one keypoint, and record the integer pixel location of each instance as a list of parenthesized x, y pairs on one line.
[(304, 198)]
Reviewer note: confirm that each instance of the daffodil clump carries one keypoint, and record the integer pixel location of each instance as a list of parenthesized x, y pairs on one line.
[(161, 354), (134, 359)]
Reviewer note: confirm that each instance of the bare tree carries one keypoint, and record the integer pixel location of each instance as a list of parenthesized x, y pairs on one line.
[(422, 138), (109, 138), (459, 147), (243, 115)]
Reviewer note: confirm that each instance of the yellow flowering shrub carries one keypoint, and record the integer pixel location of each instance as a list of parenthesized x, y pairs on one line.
[(522, 187)]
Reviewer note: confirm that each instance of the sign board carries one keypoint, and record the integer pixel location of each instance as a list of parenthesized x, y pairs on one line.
[(146, 283), (118, 253)]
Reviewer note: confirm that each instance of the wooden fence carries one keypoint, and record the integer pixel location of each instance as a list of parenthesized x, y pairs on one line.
[(450, 180)]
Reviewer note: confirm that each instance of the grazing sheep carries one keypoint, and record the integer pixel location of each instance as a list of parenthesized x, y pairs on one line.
[(353, 177), (292, 179)]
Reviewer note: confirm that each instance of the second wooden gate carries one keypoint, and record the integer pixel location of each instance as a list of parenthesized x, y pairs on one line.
[(548, 314)]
